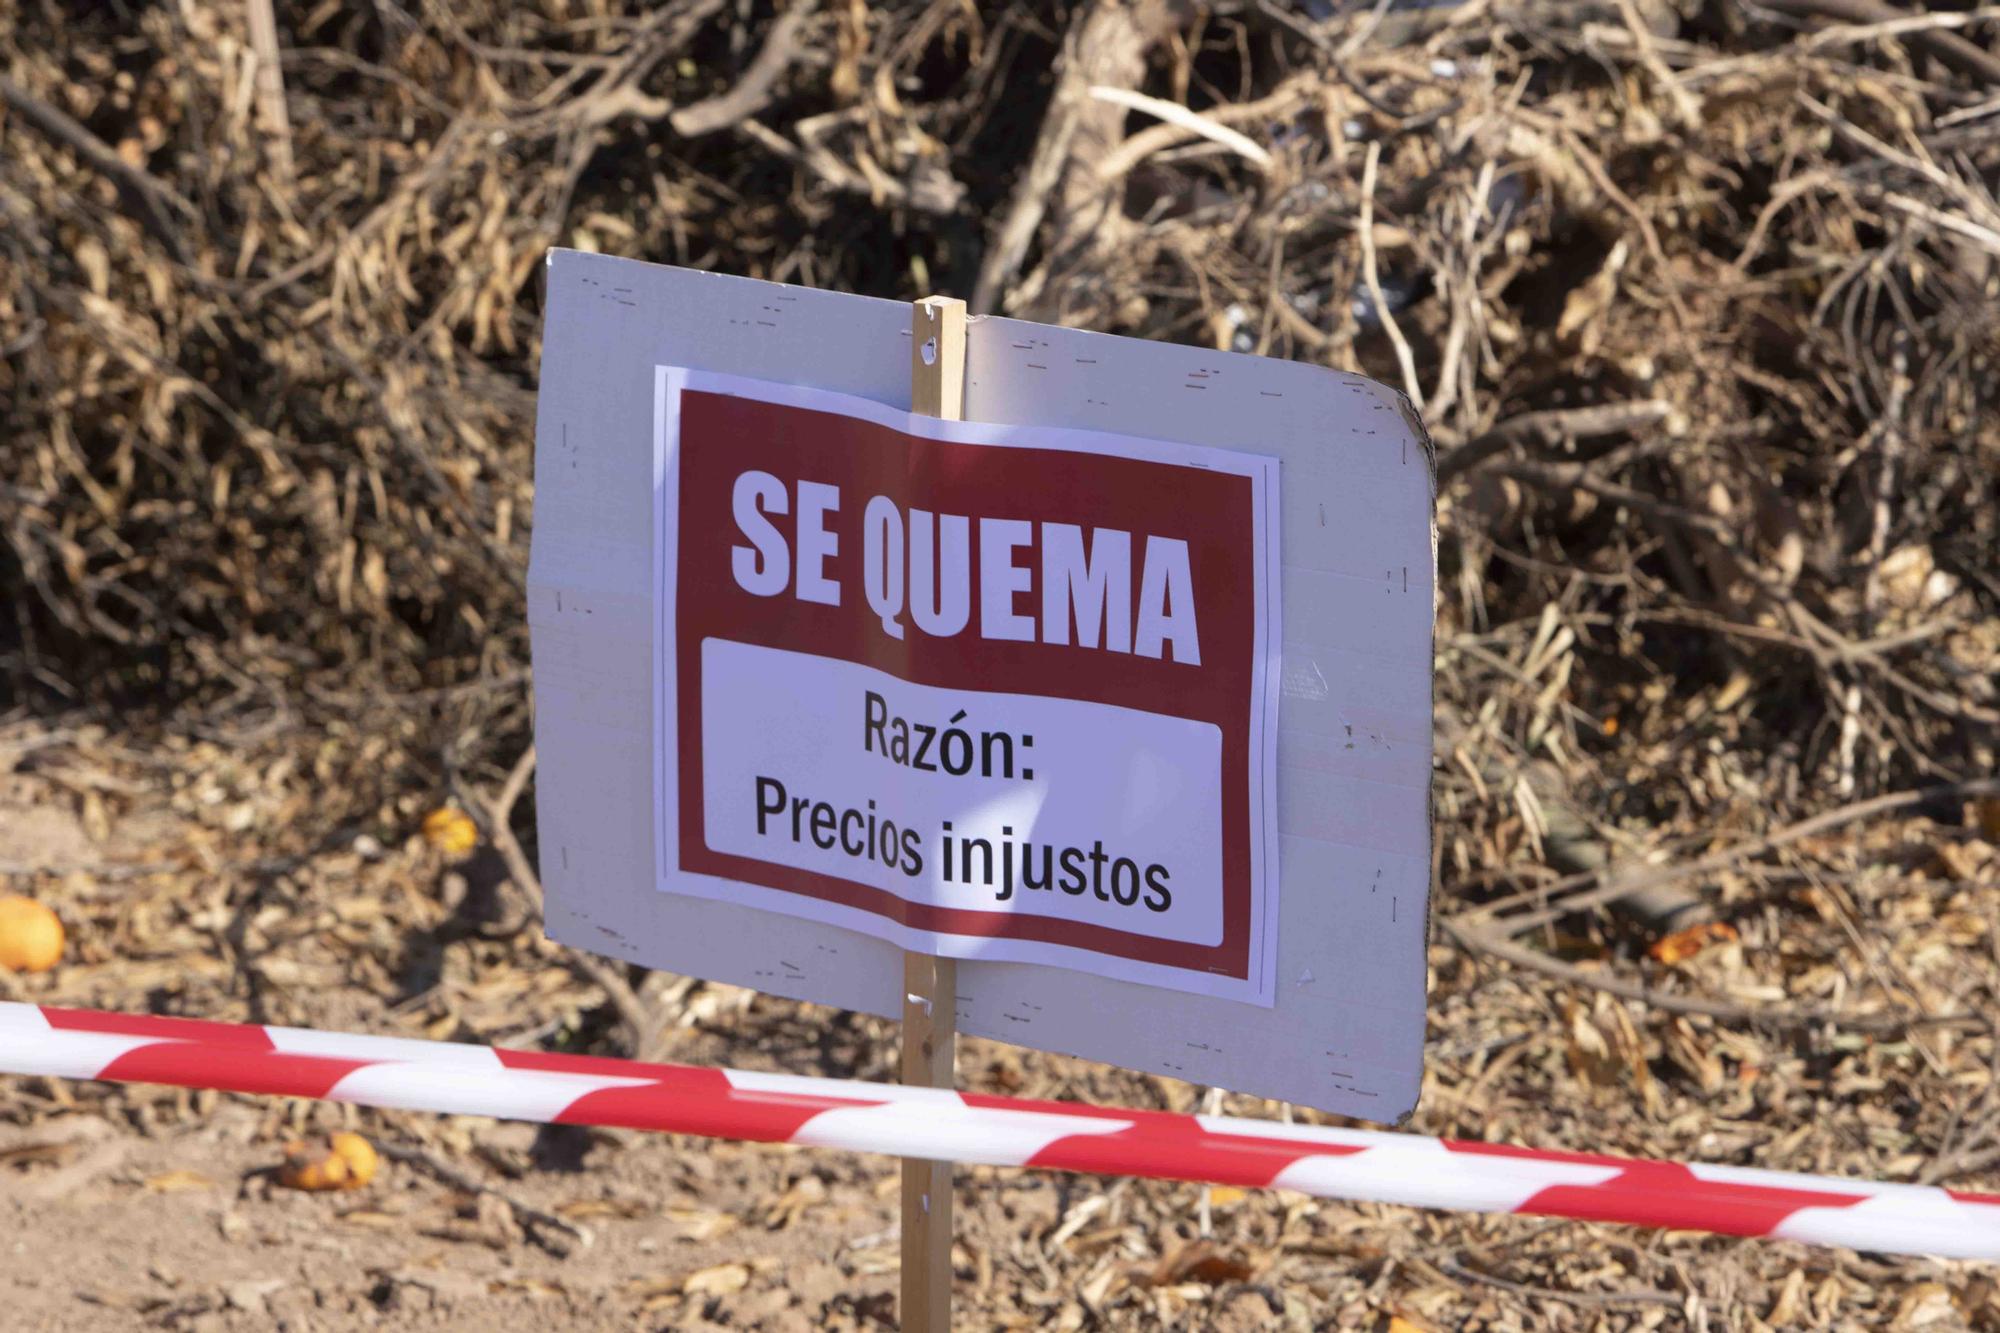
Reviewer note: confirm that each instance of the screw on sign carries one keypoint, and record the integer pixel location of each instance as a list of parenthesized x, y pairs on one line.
[(1354, 1164)]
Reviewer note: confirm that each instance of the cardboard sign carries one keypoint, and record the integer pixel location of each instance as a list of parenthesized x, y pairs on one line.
[(1341, 1025), (986, 691)]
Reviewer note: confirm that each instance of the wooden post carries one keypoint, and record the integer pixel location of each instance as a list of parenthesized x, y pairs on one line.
[(937, 358), (930, 985)]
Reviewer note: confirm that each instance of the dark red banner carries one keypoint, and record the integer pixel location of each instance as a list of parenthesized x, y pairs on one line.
[(1153, 566)]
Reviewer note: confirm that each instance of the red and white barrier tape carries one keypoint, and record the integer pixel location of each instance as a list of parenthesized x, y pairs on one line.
[(1000, 1131)]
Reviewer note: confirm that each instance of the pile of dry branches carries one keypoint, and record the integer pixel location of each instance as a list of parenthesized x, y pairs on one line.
[(1699, 306)]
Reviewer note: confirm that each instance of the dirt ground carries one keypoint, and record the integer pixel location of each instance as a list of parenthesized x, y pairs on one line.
[(176, 1228), (158, 1208), (141, 1207)]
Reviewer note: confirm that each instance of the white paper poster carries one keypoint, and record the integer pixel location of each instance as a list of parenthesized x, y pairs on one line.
[(999, 693)]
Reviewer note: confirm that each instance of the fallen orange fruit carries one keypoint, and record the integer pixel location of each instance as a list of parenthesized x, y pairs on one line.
[(359, 1154), (31, 936), (1685, 944), (450, 831), (348, 1165)]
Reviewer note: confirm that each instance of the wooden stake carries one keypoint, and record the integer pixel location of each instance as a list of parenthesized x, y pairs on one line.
[(930, 996), (937, 358), (930, 985)]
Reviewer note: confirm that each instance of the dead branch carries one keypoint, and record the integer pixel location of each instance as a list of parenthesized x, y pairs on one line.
[(1106, 47), (754, 91), (643, 1027), (1752, 1015), (1551, 429), (540, 1222), (1950, 49), (1569, 895), (271, 86)]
